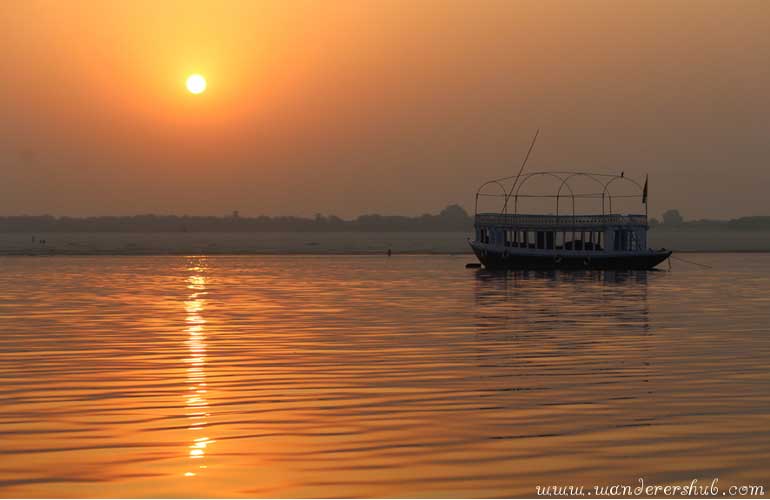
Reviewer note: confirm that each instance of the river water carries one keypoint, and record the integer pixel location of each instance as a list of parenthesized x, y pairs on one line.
[(320, 376)]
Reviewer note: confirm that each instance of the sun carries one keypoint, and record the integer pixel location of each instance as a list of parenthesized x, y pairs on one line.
[(196, 84)]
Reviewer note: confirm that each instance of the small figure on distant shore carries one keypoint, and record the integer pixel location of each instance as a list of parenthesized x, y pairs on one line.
[(389, 252)]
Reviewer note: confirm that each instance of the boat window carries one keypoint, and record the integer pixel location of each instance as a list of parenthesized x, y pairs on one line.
[(531, 239), (598, 242), (622, 242), (559, 240), (549, 240), (541, 240), (568, 240), (633, 241)]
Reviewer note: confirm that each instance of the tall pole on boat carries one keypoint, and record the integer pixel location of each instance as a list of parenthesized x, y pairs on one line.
[(529, 151)]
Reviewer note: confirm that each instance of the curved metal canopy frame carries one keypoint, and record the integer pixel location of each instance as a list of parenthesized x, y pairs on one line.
[(479, 193), (565, 182), (564, 178), (538, 174), (620, 177)]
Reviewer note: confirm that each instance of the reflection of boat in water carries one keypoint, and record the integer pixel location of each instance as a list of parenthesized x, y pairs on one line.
[(603, 240), (533, 303), (575, 343)]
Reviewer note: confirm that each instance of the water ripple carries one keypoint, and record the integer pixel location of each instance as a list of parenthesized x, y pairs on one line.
[(364, 376)]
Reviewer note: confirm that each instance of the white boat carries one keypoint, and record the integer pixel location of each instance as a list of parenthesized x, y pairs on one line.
[(603, 240)]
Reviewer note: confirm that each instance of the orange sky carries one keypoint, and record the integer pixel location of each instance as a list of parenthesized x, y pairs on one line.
[(395, 106)]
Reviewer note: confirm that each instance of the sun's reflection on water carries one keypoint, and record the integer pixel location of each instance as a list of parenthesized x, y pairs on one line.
[(196, 401)]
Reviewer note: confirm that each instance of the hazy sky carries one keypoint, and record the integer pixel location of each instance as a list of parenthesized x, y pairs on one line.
[(376, 106)]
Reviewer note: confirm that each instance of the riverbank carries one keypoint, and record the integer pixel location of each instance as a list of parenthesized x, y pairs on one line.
[(322, 243)]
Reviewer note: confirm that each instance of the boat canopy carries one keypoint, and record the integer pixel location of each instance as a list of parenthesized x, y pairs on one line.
[(511, 189)]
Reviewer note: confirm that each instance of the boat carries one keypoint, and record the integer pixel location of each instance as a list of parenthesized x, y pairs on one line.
[(602, 240)]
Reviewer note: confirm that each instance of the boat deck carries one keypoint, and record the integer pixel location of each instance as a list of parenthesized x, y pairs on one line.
[(586, 221)]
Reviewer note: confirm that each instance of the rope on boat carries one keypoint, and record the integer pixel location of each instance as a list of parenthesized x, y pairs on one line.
[(690, 262), (516, 181)]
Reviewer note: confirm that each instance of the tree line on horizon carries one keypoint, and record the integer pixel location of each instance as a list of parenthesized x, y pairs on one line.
[(672, 219), (451, 218)]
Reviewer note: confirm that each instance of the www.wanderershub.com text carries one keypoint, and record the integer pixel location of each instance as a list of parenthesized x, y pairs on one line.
[(694, 488)]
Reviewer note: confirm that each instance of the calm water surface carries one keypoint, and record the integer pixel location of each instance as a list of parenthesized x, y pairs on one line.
[(368, 376)]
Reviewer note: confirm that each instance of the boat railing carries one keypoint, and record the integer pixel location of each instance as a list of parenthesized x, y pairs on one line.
[(531, 220)]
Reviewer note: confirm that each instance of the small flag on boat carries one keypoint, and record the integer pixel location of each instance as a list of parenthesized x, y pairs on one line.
[(644, 191)]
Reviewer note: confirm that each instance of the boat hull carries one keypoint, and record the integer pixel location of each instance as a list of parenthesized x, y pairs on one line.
[(496, 259)]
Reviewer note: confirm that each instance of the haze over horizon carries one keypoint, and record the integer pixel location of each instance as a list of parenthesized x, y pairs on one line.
[(399, 107)]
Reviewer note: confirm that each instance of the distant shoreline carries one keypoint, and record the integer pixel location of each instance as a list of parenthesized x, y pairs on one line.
[(453, 218), (299, 254), (309, 255), (326, 243), (306, 254)]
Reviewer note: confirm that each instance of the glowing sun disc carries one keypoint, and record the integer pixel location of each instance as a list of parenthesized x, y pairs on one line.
[(196, 84)]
